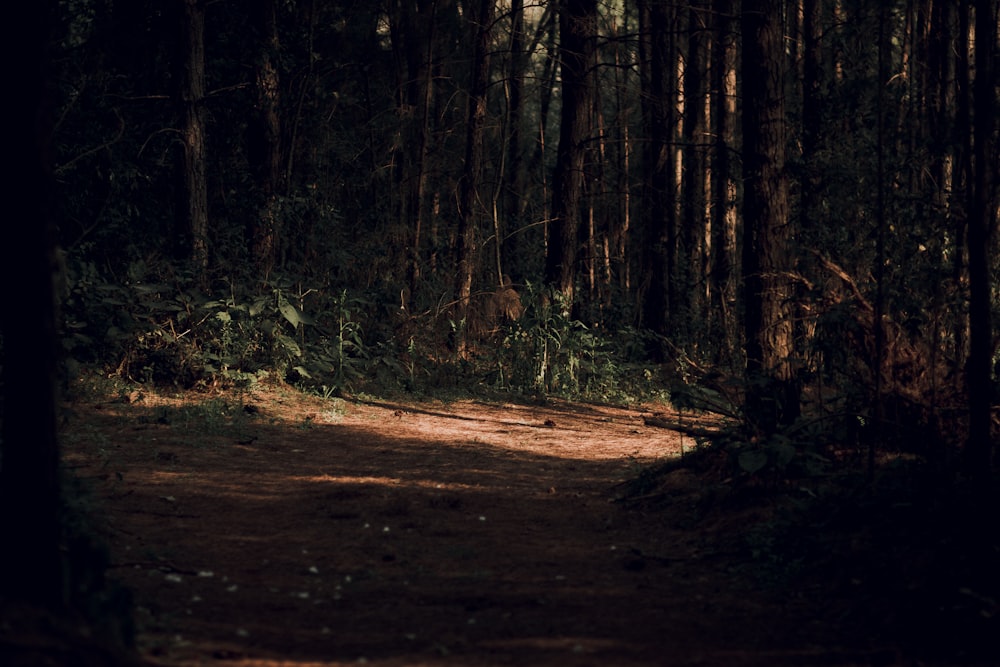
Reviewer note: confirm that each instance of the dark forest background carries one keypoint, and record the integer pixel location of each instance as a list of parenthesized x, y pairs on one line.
[(789, 202), (779, 211)]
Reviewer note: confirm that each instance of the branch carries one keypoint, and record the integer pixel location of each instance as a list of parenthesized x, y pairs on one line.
[(121, 132), (836, 270)]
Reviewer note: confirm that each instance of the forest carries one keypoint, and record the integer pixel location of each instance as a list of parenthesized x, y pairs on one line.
[(556, 197), (574, 198), (777, 213)]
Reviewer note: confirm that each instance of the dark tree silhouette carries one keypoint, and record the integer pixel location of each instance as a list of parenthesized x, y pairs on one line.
[(481, 21), (577, 30), (29, 483), (190, 59), (980, 446)]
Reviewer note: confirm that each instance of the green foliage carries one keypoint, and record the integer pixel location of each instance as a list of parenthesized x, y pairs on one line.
[(770, 456), (546, 351), (151, 330)]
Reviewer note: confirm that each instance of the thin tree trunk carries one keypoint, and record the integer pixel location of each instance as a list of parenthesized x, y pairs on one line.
[(723, 185), (659, 194), (264, 142), (515, 201), (619, 234), (547, 30), (469, 199), (964, 177), (412, 30), (693, 220), (979, 449), (192, 95)]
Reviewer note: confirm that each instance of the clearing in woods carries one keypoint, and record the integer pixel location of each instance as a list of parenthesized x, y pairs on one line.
[(273, 528)]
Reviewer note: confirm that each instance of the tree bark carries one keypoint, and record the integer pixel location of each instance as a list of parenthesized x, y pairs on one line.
[(577, 29), (413, 26), (772, 392), (723, 193), (979, 448), (468, 244), (692, 251), (264, 140), (192, 95), (516, 199), (659, 193)]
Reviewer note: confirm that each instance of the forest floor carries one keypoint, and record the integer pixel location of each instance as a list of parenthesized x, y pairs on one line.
[(274, 528)]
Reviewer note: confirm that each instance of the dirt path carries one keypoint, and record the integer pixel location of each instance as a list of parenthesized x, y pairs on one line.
[(309, 532)]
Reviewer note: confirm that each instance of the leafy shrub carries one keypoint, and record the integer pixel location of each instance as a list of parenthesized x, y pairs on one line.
[(150, 330)]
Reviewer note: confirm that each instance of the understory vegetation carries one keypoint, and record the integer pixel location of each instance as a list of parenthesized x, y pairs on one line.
[(773, 231)]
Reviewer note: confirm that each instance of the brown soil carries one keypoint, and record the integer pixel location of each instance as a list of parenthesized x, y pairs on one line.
[(273, 528)]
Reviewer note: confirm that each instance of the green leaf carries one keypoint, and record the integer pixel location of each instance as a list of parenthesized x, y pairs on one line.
[(293, 314), (258, 306), (290, 313), (290, 345), (752, 460), (783, 453)]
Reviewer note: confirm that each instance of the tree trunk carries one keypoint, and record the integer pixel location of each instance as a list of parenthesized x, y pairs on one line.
[(264, 140), (481, 24), (413, 29), (659, 194), (723, 193), (691, 271), (979, 449), (191, 95), (577, 29), (29, 483), (515, 201), (963, 177), (812, 119), (772, 391)]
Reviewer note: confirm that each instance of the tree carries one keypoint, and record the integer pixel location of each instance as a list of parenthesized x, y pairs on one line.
[(659, 216), (772, 391), (693, 210), (191, 98), (979, 449), (515, 200), (29, 483), (723, 193), (264, 136), (414, 30), (481, 22), (577, 30)]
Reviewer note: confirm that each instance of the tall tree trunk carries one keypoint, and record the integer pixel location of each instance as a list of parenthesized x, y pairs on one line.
[(577, 30), (548, 30), (979, 449), (481, 23), (413, 28), (723, 185), (264, 140), (659, 193), (772, 389), (515, 201), (812, 119), (619, 232), (963, 177), (192, 95), (693, 219), (29, 483)]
